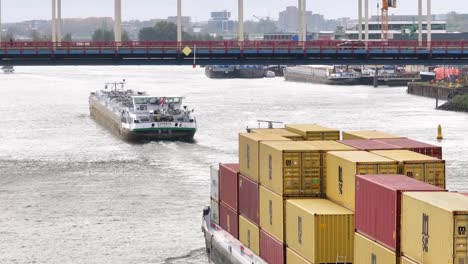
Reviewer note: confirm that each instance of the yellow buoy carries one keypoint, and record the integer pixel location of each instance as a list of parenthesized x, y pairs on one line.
[(439, 133)]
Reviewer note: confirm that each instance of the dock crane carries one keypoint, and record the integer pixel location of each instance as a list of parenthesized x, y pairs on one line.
[(386, 4)]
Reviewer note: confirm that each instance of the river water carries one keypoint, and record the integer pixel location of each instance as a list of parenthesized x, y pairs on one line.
[(70, 192)]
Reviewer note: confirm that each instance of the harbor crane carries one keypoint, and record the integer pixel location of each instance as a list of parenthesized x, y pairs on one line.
[(386, 4)]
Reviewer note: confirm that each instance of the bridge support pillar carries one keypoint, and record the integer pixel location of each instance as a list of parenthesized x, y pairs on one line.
[(54, 21), (360, 19), (420, 22), (58, 22), (0, 21), (179, 23), (366, 11), (299, 23), (429, 24), (118, 20), (304, 20), (240, 26)]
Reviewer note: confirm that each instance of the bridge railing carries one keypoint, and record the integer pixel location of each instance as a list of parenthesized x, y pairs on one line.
[(229, 45)]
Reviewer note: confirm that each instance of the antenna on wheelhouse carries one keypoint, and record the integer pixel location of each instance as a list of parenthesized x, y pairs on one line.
[(269, 122)]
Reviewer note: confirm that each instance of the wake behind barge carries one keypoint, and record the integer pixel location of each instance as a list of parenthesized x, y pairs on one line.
[(135, 116)]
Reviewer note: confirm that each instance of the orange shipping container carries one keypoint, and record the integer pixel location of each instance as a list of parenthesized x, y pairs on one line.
[(272, 213), (290, 168), (320, 230), (294, 258), (280, 132), (249, 235), (434, 227), (249, 145), (314, 132), (342, 168), (367, 251), (367, 134)]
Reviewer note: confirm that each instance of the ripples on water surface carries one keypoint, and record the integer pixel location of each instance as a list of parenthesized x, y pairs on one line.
[(71, 192)]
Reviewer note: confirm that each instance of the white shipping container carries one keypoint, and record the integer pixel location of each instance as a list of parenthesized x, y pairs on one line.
[(214, 175), (214, 209)]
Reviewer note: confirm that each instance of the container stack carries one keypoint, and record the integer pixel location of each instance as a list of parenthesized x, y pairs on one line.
[(378, 215), (229, 197), (300, 195), (314, 132), (280, 132), (434, 227), (418, 166), (214, 201), (416, 146), (248, 185), (367, 134), (342, 168), (291, 183)]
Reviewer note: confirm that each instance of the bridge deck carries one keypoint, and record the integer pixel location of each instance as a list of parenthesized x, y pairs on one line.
[(231, 52)]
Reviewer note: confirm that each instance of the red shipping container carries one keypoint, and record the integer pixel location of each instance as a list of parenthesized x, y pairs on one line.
[(229, 220), (271, 250), (378, 205), (416, 146), (228, 191), (248, 199), (368, 145)]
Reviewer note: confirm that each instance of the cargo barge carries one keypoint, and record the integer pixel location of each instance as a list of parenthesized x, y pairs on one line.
[(336, 75), (234, 71), (136, 116), (363, 200)]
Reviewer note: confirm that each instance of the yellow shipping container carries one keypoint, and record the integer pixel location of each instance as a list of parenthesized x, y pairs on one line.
[(314, 132), (342, 168), (417, 166), (325, 146), (280, 132), (404, 260), (320, 230), (367, 134), (249, 235), (294, 258), (249, 144), (367, 251), (290, 168), (434, 227), (271, 209)]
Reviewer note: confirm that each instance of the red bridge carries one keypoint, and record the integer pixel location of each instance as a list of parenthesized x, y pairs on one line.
[(233, 52)]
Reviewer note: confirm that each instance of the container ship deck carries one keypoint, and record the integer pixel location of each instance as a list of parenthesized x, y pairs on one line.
[(304, 195)]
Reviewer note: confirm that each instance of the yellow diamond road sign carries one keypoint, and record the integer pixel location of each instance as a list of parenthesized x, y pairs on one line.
[(187, 51)]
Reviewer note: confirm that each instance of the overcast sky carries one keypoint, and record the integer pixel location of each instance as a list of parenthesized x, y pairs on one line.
[(19, 10)]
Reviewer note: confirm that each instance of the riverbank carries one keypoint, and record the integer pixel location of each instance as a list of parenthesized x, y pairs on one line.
[(459, 104), (436, 91)]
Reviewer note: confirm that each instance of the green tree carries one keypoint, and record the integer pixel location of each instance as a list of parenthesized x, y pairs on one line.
[(168, 31), (67, 37), (147, 34), (108, 35), (36, 36), (125, 36)]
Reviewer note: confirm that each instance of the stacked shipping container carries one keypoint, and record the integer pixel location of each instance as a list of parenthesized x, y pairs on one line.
[(214, 189), (434, 227), (342, 168), (280, 132), (314, 132), (416, 146), (248, 184), (421, 167), (273, 198), (378, 215), (228, 196), (367, 134)]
